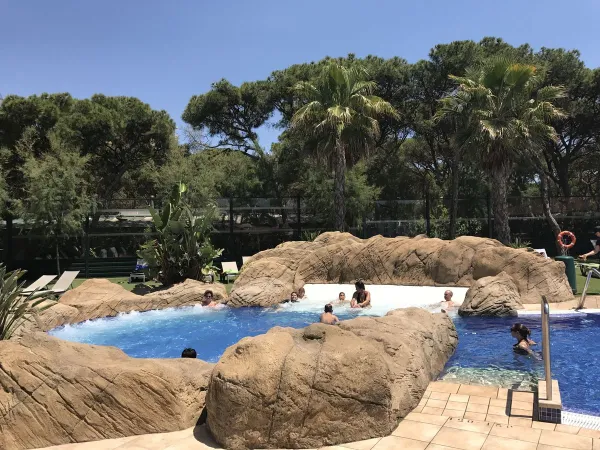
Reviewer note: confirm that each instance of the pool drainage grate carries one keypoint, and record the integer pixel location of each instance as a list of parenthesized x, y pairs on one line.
[(580, 420)]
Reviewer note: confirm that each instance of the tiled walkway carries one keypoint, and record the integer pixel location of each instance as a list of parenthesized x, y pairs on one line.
[(450, 416)]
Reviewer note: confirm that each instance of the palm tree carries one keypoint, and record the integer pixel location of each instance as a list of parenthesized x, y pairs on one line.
[(340, 111), (504, 113)]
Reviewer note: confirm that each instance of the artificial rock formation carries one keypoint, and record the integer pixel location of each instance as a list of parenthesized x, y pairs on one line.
[(492, 296), (57, 392), (324, 385), (342, 258), (98, 298)]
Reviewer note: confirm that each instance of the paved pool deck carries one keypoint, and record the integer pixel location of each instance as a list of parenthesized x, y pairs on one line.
[(450, 416)]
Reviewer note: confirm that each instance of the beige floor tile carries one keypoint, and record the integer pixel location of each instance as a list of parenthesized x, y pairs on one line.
[(423, 402), (481, 391), (497, 410), (516, 432), (469, 425), (543, 425), (520, 421), (459, 398), (522, 405), (567, 429), (439, 396), (479, 400), (498, 402), (460, 406), (331, 447), (454, 413), (395, 443), (442, 386), (548, 447), (589, 433), (189, 443), (416, 430), (436, 403), (528, 413), (418, 409), (432, 411), (426, 418), (476, 407), (362, 445), (501, 443), (497, 419), (464, 440), (502, 393), (438, 447), (522, 396), (596, 444), (427, 394), (565, 440), (475, 416)]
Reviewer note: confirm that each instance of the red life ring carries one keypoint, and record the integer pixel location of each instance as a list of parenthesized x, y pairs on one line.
[(561, 242)]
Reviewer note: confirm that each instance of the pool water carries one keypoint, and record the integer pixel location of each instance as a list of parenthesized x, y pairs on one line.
[(484, 354)]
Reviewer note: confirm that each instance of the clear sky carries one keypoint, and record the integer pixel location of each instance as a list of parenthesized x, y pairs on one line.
[(166, 51)]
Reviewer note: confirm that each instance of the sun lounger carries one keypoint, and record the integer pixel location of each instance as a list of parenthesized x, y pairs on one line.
[(39, 284), (61, 286), (230, 270), (245, 259)]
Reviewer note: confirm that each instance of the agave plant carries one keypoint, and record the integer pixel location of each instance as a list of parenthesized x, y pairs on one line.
[(16, 307)]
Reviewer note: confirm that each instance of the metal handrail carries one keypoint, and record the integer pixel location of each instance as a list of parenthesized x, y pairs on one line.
[(546, 345), (591, 271)]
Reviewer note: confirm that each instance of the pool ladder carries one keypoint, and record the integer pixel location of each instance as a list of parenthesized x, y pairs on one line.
[(591, 271), (546, 345)]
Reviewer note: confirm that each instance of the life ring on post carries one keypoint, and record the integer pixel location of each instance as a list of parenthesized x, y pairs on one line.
[(561, 242)]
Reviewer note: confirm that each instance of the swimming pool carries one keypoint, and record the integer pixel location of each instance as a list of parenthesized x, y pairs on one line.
[(484, 354)]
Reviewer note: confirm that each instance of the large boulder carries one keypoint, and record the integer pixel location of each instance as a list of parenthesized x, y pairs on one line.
[(98, 298), (492, 296), (325, 385), (57, 392), (342, 258)]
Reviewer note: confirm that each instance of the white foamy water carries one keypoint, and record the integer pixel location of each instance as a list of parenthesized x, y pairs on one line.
[(384, 298)]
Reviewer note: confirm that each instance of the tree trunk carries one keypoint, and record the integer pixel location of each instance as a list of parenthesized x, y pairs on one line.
[(454, 198), (339, 199), (57, 259), (547, 212), (563, 178), (499, 177)]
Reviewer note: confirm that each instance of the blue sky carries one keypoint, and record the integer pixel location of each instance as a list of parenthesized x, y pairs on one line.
[(165, 51)]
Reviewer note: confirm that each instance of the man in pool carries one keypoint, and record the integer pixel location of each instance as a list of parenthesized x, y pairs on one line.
[(302, 294), (447, 303), (207, 300), (361, 298), (188, 353), (596, 249), (328, 317)]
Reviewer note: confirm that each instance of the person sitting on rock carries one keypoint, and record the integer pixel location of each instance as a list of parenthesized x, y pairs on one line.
[(302, 294), (328, 317), (342, 297), (293, 298), (447, 303), (361, 298), (188, 353), (521, 333), (207, 300)]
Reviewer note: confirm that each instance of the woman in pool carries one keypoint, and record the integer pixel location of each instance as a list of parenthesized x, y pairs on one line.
[(302, 294), (342, 297), (521, 333), (361, 298)]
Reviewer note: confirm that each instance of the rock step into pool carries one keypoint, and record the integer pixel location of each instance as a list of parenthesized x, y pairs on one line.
[(449, 416)]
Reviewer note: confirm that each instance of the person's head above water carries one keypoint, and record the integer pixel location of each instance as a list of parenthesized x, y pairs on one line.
[(329, 308), (208, 296), (294, 297), (342, 296), (301, 292), (359, 285), (448, 295), (520, 331), (188, 353)]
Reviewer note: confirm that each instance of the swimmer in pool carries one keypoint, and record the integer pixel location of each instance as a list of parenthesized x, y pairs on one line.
[(342, 297), (361, 298), (521, 333), (293, 298), (302, 294), (207, 300), (328, 317)]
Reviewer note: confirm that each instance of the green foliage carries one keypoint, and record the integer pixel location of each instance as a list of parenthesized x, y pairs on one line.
[(182, 248), (310, 236), (15, 306), (519, 243)]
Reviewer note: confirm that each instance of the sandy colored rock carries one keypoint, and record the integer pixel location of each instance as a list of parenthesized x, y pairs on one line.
[(98, 298), (492, 296), (325, 385), (57, 392), (343, 258)]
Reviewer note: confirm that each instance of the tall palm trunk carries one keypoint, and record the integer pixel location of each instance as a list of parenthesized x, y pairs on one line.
[(339, 198), (499, 189)]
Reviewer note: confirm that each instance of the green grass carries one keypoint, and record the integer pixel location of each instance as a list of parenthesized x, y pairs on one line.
[(594, 284), (123, 281)]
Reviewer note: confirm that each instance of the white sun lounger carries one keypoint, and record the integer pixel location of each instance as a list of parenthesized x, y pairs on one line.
[(245, 259), (39, 284), (62, 285), (230, 269)]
